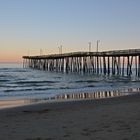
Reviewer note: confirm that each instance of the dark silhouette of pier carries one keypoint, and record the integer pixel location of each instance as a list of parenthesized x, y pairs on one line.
[(117, 62)]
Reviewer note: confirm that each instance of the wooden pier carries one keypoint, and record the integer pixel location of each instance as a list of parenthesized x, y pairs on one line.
[(118, 62)]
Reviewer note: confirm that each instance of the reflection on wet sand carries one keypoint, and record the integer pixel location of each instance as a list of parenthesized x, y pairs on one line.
[(93, 95), (69, 97), (13, 103)]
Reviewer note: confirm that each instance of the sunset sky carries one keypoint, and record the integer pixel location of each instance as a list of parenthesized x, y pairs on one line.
[(26, 26)]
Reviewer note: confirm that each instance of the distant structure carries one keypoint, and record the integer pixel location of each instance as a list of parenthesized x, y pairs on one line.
[(60, 49), (118, 62), (98, 45), (89, 46)]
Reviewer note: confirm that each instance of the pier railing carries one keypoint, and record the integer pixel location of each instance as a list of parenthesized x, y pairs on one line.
[(118, 62)]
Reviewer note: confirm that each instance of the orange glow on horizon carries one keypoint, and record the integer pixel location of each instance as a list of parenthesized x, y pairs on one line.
[(10, 60), (10, 57)]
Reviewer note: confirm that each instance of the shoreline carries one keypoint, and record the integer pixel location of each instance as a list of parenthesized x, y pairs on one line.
[(67, 97), (111, 118)]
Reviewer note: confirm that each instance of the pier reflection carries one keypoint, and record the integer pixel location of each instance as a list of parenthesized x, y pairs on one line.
[(69, 97), (89, 95)]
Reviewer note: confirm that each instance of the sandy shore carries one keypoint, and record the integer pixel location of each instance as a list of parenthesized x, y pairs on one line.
[(106, 119)]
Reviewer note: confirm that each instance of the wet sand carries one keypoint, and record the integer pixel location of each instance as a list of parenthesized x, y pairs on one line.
[(105, 119), (13, 103)]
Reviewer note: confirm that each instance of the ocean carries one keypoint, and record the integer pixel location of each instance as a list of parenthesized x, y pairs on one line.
[(17, 82)]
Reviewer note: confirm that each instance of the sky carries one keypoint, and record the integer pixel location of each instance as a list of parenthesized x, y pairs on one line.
[(28, 26)]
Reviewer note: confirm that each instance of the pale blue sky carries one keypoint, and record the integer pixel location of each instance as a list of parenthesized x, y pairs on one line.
[(46, 24)]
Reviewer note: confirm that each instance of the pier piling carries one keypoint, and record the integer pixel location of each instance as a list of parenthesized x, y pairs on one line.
[(119, 62)]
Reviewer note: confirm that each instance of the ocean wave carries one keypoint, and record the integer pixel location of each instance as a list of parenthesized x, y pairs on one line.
[(20, 82), (34, 82), (86, 81)]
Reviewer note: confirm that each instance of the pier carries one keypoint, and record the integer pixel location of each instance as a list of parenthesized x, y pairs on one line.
[(117, 62)]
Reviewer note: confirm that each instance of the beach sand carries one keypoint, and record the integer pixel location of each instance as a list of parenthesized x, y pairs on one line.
[(105, 119)]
